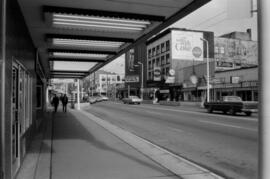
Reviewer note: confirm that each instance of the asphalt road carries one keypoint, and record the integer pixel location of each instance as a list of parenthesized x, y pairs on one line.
[(224, 144)]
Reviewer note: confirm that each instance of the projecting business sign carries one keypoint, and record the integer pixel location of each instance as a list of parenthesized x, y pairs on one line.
[(187, 45), (132, 79), (157, 73)]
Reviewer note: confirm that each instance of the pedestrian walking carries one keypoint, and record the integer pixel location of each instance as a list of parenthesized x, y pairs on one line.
[(55, 102), (64, 102)]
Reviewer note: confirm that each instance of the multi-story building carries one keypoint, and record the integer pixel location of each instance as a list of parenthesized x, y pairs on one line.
[(102, 82), (233, 72), (235, 50), (169, 53)]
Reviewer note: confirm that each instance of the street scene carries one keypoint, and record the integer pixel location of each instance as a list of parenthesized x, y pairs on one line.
[(226, 144), (108, 89)]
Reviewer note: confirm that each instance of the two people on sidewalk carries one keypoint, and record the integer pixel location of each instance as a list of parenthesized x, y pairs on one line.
[(55, 102)]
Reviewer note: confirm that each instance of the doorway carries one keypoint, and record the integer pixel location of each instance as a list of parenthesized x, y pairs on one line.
[(15, 136)]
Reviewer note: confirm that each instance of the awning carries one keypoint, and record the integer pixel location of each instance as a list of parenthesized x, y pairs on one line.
[(95, 32)]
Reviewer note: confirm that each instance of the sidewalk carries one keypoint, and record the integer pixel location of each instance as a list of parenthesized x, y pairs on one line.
[(72, 146)]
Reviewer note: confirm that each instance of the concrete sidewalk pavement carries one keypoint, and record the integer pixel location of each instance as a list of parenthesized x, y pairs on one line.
[(73, 146)]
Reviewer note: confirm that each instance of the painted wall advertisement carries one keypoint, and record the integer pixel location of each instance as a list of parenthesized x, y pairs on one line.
[(187, 45), (234, 53)]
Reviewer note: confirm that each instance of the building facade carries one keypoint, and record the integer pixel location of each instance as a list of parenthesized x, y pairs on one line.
[(241, 82), (23, 88), (169, 53), (235, 50), (106, 83)]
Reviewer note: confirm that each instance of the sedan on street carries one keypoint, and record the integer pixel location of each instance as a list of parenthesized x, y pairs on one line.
[(132, 100)]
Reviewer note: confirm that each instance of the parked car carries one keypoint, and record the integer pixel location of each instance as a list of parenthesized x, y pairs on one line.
[(92, 99), (98, 98), (232, 104), (132, 100), (104, 98)]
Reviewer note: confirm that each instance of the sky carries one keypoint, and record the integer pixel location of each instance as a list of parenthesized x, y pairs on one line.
[(218, 16)]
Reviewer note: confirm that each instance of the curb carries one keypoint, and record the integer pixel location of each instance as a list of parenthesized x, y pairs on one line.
[(176, 164)]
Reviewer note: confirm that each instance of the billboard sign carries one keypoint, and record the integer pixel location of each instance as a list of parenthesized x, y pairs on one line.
[(187, 45)]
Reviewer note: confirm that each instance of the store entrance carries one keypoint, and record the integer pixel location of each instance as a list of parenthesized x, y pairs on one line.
[(15, 137)]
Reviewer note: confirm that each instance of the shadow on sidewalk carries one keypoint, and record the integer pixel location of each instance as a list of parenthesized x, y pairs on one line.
[(67, 126)]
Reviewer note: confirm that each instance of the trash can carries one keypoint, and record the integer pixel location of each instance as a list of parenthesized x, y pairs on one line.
[(72, 105)]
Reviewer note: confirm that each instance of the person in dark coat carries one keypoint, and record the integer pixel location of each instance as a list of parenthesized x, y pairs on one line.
[(55, 102), (64, 102)]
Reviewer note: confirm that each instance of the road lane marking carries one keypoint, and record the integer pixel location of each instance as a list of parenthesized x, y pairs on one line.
[(190, 112), (176, 164), (227, 125)]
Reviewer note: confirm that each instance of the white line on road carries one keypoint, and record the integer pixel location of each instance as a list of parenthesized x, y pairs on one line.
[(191, 112), (228, 125)]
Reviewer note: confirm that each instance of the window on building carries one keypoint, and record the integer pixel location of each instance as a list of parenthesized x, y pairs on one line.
[(158, 62), (162, 47), (153, 52), (162, 60), (149, 53), (154, 62), (163, 71), (118, 78), (167, 45), (167, 58), (167, 70), (216, 49), (222, 50), (158, 49), (103, 78), (149, 65), (149, 76)]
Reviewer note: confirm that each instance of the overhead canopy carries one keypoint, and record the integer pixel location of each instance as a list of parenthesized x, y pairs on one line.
[(76, 38)]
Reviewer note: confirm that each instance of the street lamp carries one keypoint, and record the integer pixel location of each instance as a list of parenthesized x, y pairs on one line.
[(207, 68), (140, 63)]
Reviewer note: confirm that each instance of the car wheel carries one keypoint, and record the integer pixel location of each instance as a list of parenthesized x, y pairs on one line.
[(231, 111), (248, 113), (209, 109)]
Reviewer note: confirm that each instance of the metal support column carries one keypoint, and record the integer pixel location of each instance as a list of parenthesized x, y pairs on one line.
[(264, 96), (78, 95)]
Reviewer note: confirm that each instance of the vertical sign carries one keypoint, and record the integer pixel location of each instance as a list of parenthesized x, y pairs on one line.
[(157, 73)]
